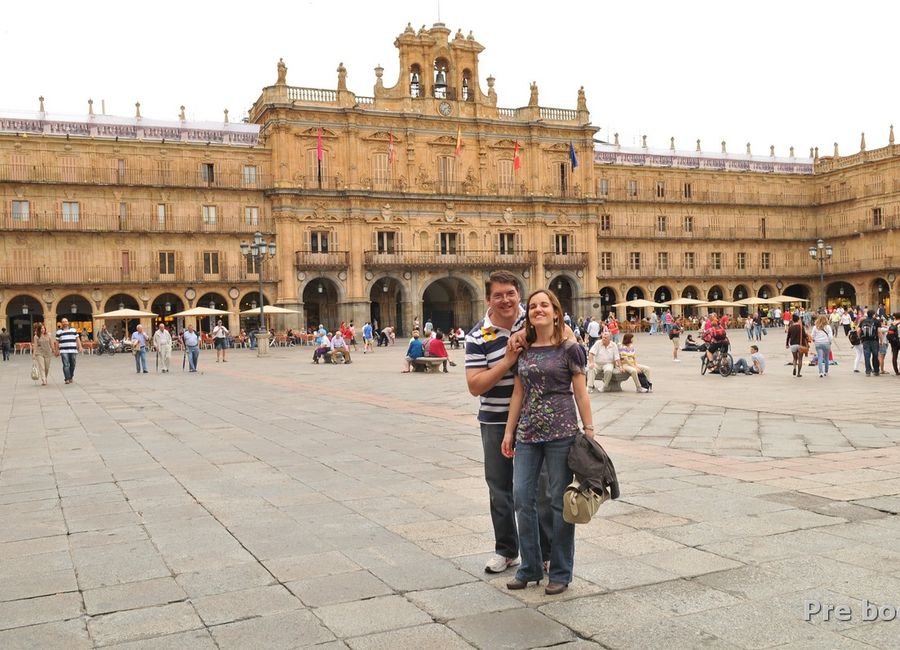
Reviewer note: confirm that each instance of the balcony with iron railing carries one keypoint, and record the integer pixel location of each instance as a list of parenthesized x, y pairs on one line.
[(699, 271), (565, 260), (318, 261), (473, 259), (649, 195), (61, 175), (95, 275), (142, 223), (617, 231)]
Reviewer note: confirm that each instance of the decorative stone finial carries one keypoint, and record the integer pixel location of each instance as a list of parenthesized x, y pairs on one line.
[(791, 152), (698, 144), (379, 71), (137, 110), (492, 94), (533, 98), (748, 150), (724, 150), (836, 154), (672, 143), (342, 76), (891, 135), (459, 35), (409, 29), (90, 107), (644, 141), (616, 141), (41, 100), (470, 37), (181, 115), (811, 152), (226, 116), (772, 150), (862, 141), (816, 157), (582, 100), (282, 73)]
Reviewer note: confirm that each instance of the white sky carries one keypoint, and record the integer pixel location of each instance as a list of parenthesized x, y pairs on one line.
[(791, 72)]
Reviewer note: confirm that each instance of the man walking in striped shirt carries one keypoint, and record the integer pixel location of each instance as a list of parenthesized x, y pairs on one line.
[(67, 347)]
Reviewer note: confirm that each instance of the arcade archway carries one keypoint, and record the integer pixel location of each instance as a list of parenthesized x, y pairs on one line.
[(716, 292), (320, 302), (840, 294), (607, 300), (634, 293), (765, 291), (881, 294), (78, 311), (118, 327), (565, 293), (214, 301), (740, 292), (386, 304), (251, 301), (22, 312), (449, 302), (693, 293)]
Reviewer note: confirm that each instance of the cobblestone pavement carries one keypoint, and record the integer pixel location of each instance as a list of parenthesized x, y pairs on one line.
[(271, 503)]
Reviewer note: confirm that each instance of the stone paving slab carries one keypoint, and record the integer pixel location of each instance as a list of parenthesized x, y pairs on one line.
[(295, 507)]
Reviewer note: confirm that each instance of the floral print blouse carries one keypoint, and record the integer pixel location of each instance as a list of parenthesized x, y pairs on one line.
[(548, 406)]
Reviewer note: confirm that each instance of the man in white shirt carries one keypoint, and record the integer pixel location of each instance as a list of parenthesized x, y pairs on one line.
[(162, 341), (593, 331), (603, 356), (339, 346), (220, 338)]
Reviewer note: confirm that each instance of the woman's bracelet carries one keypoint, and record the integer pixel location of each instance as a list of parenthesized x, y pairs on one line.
[(588, 426)]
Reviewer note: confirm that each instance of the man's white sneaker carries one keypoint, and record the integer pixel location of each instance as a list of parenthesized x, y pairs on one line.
[(643, 390), (499, 563), (677, 360)]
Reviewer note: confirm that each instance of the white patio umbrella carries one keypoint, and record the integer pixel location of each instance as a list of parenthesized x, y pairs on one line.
[(753, 300), (783, 298), (124, 315), (203, 311), (639, 303), (269, 310), (684, 301), (720, 304)]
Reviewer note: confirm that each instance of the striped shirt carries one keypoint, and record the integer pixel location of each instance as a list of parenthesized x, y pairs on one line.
[(485, 348), (68, 340)]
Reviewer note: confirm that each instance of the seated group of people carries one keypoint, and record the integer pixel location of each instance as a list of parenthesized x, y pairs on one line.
[(606, 357), (330, 347), (431, 346)]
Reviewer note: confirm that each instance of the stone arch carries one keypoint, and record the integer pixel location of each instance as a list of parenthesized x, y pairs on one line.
[(387, 295), (219, 301), (608, 297), (23, 311), (716, 292), (450, 302), (691, 291), (320, 297), (78, 310), (567, 290), (841, 294), (880, 290), (766, 291)]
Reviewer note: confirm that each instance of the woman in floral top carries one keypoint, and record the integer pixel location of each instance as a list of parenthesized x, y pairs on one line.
[(543, 421)]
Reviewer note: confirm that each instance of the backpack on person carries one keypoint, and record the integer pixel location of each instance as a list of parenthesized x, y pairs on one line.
[(853, 337), (868, 330), (645, 383), (893, 336), (674, 331)]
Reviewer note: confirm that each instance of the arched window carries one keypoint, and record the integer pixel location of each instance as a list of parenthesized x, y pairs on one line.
[(415, 80), (441, 75), (468, 94)]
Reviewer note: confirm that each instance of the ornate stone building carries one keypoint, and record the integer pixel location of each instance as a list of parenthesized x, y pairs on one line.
[(398, 204)]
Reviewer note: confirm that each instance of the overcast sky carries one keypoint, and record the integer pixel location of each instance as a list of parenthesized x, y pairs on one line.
[(791, 72)]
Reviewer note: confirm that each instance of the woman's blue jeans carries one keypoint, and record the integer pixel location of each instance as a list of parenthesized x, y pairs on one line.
[(822, 350), (526, 470)]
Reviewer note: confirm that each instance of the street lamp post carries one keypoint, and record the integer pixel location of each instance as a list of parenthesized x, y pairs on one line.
[(259, 251), (821, 253)]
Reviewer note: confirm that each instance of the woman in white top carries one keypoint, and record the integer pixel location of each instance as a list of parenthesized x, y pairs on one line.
[(822, 338), (846, 319)]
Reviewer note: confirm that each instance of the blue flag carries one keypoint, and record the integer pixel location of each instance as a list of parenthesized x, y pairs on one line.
[(572, 156)]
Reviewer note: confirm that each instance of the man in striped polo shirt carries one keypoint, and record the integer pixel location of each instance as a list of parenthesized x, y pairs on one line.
[(489, 374), (67, 348)]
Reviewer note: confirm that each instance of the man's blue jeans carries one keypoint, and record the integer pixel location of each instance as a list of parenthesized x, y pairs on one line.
[(193, 354), (498, 474), (140, 360), (68, 364), (744, 366), (529, 457), (870, 350)]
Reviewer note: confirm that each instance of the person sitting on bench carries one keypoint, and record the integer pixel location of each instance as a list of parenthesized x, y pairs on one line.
[(414, 351), (435, 348), (339, 347), (323, 350)]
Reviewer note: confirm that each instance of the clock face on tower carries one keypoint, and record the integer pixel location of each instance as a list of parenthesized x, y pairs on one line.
[(444, 108)]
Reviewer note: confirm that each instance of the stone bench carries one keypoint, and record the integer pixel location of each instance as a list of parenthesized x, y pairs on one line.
[(429, 364), (615, 383)]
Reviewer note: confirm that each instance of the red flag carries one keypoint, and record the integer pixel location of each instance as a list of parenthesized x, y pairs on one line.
[(391, 147), (458, 141), (517, 162), (319, 153)]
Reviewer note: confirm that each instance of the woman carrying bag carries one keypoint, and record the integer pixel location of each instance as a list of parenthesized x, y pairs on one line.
[(41, 353), (798, 342), (543, 422)]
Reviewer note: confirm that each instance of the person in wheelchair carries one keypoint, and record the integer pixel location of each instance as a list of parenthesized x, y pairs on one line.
[(105, 341), (716, 338)]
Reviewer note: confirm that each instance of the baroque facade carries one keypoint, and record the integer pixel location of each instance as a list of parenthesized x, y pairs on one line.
[(399, 204)]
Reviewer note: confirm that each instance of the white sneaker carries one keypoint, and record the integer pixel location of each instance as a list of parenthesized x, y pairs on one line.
[(643, 390), (677, 360), (590, 389), (499, 563)]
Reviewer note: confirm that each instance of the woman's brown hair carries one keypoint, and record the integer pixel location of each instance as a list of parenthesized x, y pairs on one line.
[(558, 325)]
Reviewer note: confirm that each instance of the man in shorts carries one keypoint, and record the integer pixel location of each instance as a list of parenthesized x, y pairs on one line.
[(220, 339)]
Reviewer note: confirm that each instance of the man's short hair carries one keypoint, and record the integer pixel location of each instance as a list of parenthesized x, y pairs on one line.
[(501, 277), (870, 313), (754, 348)]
